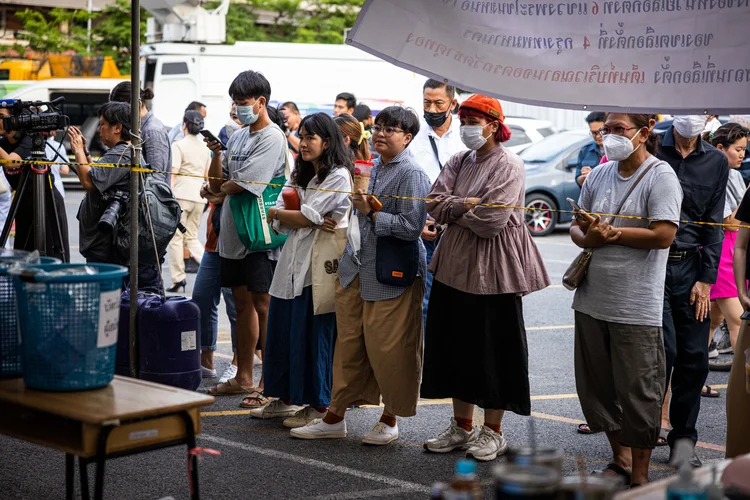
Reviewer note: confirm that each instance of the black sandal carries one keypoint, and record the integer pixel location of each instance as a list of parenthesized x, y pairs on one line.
[(584, 429), (662, 439), (617, 470), (709, 393)]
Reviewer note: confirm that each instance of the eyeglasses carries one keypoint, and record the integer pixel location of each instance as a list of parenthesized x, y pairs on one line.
[(386, 131), (615, 130)]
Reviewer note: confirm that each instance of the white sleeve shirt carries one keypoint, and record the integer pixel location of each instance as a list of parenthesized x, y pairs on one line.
[(447, 146)]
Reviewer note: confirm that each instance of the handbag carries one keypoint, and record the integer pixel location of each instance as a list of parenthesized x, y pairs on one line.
[(396, 261), (327, 249), (577, 270), (250, 213)]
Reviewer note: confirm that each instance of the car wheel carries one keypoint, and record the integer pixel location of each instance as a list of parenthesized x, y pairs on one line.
[(541, 217)]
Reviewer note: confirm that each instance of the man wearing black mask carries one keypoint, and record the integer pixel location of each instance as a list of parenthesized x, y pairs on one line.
[(438, 139)]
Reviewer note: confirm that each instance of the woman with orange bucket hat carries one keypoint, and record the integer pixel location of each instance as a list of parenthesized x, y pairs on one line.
[(485, 263)]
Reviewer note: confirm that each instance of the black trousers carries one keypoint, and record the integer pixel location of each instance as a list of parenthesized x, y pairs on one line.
[(686, 346)]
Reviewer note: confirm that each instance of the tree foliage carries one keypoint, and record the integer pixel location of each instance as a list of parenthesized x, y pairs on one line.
[(45, 34), (112, 33)]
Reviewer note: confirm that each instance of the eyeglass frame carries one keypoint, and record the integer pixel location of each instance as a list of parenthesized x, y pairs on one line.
[(624, 129), (377, 129)]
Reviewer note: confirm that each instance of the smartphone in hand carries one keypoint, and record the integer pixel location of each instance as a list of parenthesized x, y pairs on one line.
[(211, 137)]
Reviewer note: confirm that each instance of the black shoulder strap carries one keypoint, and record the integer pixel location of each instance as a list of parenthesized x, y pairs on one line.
[(435, 150)]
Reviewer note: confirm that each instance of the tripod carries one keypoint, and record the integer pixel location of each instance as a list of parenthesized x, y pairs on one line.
[(42, 181)]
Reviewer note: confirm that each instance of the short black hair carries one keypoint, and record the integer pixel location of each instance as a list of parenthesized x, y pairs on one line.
[(450, 90), (193, 120), (121, 93), (351, 101), (397, 116), (362, 112), (277, 117), (194, 106), (596, 116), (250, 85), (115, 112), (289, 105)]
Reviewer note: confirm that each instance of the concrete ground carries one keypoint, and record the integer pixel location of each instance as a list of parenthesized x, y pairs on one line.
[(259, 459)]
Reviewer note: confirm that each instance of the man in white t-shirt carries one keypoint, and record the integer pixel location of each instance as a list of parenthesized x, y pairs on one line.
[(438, 139)]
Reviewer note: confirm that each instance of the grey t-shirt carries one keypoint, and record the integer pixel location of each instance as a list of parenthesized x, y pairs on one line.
[(735, 192), (625, 284), (251, 156)]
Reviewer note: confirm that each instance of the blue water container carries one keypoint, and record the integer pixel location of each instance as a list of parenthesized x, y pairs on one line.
[(68, 324), (122, 363), (10, 345), (169, 336)]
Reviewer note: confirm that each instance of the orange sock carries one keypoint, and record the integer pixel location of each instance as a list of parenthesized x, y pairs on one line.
[(389, 421), (465, 423), (332, 418), (495, 428)]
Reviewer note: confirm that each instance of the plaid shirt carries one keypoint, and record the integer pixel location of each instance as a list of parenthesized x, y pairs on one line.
[(401, 218)]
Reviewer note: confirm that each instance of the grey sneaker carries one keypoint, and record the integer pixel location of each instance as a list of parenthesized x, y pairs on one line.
[(453, 438), (302, 418), (713, 352), (274, 409), (488, 445), (722, 340)]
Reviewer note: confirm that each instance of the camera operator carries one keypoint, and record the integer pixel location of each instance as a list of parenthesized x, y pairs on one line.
[(16, 146), (107, 188)]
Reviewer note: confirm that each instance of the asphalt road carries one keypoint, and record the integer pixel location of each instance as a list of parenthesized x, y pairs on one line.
[(259, 459)]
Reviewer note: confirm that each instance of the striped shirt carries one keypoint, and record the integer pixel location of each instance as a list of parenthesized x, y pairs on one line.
[(401, 218)]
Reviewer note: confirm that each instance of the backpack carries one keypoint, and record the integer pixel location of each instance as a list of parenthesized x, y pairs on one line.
[(157, 200)]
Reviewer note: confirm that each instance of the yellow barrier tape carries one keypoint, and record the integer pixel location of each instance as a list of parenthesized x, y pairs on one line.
[(137, 168)]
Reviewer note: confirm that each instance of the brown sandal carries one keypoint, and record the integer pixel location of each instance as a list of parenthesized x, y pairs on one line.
[(229, 388), (255, 399)]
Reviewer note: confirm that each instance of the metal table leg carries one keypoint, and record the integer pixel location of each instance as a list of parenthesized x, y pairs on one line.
[(83, 472), (69, 476), (190, 438), (101, 459)]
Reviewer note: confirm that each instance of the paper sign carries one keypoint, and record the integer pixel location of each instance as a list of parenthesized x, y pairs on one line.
[(649, 56), (189, 340), (109, 317)]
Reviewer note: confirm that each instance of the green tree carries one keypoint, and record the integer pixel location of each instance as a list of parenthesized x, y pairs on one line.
[(111, 33), (60, 31)]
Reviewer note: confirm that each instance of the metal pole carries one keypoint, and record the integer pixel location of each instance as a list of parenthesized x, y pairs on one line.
[(88, 27), (135, 110), (39, 176)]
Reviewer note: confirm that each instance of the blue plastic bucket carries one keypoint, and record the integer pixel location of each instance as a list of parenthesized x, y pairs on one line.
[(68, 325), (10, 351)]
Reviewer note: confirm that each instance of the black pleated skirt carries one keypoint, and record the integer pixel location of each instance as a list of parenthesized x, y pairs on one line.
[(476, 350)]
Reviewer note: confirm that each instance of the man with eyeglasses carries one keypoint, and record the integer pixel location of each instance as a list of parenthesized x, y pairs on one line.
[(692, 267), (591, 154)]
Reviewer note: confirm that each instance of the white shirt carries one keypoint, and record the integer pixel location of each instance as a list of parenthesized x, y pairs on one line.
[(293, 272), (55, 169), (447, 146)]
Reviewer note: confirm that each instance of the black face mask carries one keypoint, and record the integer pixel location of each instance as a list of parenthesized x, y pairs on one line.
[(436, 119)]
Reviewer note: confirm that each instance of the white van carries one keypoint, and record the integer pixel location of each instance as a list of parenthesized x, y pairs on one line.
[(311, 75)]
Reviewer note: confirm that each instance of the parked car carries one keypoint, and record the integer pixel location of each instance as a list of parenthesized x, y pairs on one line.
[(550, 178), (526, 131)]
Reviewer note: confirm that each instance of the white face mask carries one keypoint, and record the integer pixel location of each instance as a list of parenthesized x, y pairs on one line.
[(689, 126), (232, 127), (473, 136), (619, 147)]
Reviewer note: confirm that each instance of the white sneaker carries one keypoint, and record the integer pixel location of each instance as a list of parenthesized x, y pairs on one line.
[(257, 361), (488, 446), (381, 434), (317, 429), (206, 373), (303, 417), (229, 373), (274, 409), (454, 437)]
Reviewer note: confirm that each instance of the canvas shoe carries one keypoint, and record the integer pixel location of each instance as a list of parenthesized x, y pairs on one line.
[(317, 429), (453, 438), (381, 434), (275, 409), (229, 373), (303, 417), (488, 445)]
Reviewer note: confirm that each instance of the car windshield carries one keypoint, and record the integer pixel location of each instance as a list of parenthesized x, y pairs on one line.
[(545, 150)]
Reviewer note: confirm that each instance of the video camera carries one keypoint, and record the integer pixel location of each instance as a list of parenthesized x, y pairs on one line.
[(33, 116)]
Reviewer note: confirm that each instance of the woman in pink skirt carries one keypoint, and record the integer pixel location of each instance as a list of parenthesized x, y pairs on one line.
[(731, 139)]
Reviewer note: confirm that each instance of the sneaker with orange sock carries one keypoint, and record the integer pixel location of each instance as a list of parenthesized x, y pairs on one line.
[(455, 437)]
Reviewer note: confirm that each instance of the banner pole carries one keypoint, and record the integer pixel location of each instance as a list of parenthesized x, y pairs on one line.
[(135, 111)]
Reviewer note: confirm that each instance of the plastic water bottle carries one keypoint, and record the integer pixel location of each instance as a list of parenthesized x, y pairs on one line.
[(465, 485)]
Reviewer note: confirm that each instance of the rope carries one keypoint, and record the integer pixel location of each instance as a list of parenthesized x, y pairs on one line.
[(138, 168)]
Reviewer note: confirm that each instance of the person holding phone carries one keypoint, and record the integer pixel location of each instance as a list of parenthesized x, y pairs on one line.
[(191, 158), (299, 345), (620, 363)]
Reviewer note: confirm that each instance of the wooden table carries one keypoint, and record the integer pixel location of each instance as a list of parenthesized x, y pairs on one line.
[(125, 418)]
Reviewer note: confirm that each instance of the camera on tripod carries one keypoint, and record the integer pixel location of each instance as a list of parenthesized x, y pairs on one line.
[(117, 202), (33, 116)]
